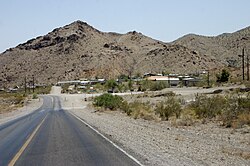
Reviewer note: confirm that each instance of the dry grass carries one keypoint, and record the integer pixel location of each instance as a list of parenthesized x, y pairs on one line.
[(10, 101), (237, 152), (243, 119), (187, 119), (141, 110)]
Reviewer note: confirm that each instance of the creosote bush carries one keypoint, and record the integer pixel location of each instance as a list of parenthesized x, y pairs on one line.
[(10, 100), (153, 85), (208, 107), (168, 108), (108, 101), (237, 111), (138, 110), (34, 96), (231, 110), (159, 85)]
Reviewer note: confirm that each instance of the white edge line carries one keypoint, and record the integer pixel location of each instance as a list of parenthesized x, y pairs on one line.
[(126, 153)]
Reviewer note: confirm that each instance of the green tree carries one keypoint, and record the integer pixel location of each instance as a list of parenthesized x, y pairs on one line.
[(224, 76), (111, 84)]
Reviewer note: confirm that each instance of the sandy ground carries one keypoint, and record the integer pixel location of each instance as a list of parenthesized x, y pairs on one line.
[(159, 143), (29, 106)]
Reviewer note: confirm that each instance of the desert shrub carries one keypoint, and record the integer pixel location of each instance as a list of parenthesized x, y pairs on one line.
[(243, 119), (34, 96), (208, 107), (123, 77), (244, 102), (13, 98), (141, 110), (187, 118), (43, 90), (236, 112), (108, 101), (158, 85), (130, 85), (163, 111), (122, 87), (138, 109), (126, 108), (65, 88), (247, 84), (9, 101), (145, 85), (18, 99), (223, 77), (231, 110), (99, 87), (153, 85), (111, 84), (168, 108)]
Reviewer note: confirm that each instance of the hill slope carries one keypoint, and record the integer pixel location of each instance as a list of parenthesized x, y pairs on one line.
[(78, 51), (225, 48)]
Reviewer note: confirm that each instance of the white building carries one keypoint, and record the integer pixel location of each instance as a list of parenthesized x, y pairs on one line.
[(173, 81)]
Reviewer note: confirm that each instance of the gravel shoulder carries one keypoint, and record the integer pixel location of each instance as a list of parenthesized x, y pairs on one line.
[(160, 143)]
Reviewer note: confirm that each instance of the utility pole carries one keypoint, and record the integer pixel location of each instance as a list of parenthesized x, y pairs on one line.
[(113, 64), (25, 86), (33, 84), (247, 67), (208, 81), (243, 64)]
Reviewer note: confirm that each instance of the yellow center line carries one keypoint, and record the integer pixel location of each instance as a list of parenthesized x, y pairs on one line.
[(19, 153)]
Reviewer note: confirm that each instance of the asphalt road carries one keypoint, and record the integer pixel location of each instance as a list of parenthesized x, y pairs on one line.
[(52, 136)]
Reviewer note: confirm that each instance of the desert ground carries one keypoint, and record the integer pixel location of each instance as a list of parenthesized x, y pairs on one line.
[(162, 143), (157, 142)]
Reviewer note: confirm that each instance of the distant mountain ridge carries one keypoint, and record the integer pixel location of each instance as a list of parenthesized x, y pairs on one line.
[(78, 50), (224, 48)]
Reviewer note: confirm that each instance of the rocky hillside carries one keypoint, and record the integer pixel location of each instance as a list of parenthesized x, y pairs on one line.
[(224, 48), (78, 51)]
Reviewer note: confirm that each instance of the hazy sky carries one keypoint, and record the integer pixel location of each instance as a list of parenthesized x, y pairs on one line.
[(166, 20)]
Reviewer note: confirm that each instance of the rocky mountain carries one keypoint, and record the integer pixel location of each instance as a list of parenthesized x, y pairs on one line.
[(224, 48), (78, 51)]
